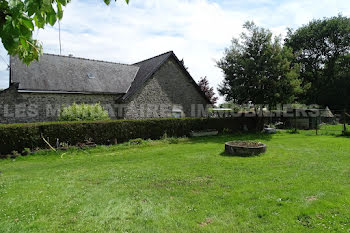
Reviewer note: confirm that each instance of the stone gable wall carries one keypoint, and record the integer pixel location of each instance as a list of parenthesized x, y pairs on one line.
[(169, 89)]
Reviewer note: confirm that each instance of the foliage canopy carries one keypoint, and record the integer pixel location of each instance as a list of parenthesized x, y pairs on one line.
[(322, 48), (19, 19), (258, 69), (208, 91)]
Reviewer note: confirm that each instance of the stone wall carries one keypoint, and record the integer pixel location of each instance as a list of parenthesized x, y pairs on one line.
[(168, 91), (38, 107)]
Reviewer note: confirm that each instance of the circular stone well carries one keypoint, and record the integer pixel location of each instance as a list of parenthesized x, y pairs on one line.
[(243, 148)]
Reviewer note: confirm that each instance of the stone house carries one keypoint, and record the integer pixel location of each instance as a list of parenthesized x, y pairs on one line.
[(154, 88)]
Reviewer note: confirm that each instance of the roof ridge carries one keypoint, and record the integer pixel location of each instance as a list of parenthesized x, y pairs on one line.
[(150, 72), (153, 57), (88, 59)]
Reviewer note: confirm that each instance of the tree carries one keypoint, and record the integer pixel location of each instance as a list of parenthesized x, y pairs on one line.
[(257, 69), (337, 95), (208, 91), (18, 20), (320, 46)]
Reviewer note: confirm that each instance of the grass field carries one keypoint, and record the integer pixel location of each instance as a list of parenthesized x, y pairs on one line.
[(302, 184), (332, 129)]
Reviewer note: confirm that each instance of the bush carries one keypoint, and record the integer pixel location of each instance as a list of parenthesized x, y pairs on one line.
[(293, 131), (20, 136), (170, 140), (346, 133), (14, 154), (83, 112), (226, 131), (26, 151), (136, 141)]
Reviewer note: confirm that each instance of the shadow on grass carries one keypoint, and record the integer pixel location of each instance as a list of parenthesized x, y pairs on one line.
[(341, 136), (224, 154), (336, 134), (218, 139)]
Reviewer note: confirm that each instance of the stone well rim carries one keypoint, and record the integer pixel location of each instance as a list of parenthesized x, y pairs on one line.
[(236, 144)]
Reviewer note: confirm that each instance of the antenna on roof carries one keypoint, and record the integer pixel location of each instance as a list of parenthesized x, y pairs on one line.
[(59, 36)]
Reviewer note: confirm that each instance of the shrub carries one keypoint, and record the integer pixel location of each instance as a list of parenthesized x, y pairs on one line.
[(172, 140), (26, 151), (83, 112), (293, 131), (14, 154), (20, 136), (136, 141), (346, 133), (226, 131), (165, 136)]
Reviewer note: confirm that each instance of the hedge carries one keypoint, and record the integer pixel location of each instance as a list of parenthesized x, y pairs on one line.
[(16, 137)]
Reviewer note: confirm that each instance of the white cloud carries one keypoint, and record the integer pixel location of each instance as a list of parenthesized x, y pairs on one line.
[(197, 30)]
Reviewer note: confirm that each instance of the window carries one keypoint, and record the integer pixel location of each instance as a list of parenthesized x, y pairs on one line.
[(176, 114), (90, 75)]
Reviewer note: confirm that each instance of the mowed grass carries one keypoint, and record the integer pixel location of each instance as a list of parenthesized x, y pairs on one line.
[(326, 129), (302, 184)]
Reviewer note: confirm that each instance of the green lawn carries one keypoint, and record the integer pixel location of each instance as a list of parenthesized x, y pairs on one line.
[(302, 184), (331, 129)]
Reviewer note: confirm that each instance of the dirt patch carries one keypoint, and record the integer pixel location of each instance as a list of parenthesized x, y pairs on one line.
[(202, 180), (312, 198), (206, 222)]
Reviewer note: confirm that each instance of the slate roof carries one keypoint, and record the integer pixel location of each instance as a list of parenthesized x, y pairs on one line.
[(55, 73), (327, 113), (147, 69), (149, 66), (61, 74)]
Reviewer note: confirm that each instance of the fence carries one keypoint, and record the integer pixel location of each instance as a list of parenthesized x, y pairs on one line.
[(322, 121), (337, 126)]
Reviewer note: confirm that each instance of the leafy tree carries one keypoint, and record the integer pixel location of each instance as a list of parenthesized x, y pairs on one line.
[(208, 91), (320, 47), (18, 20), (337, 95), (257, 69)]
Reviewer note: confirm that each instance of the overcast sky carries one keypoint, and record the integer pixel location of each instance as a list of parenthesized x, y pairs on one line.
[(197, 31)]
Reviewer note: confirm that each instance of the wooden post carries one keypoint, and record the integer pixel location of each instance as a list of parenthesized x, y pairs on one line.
[(295, 119), (344, 123)]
